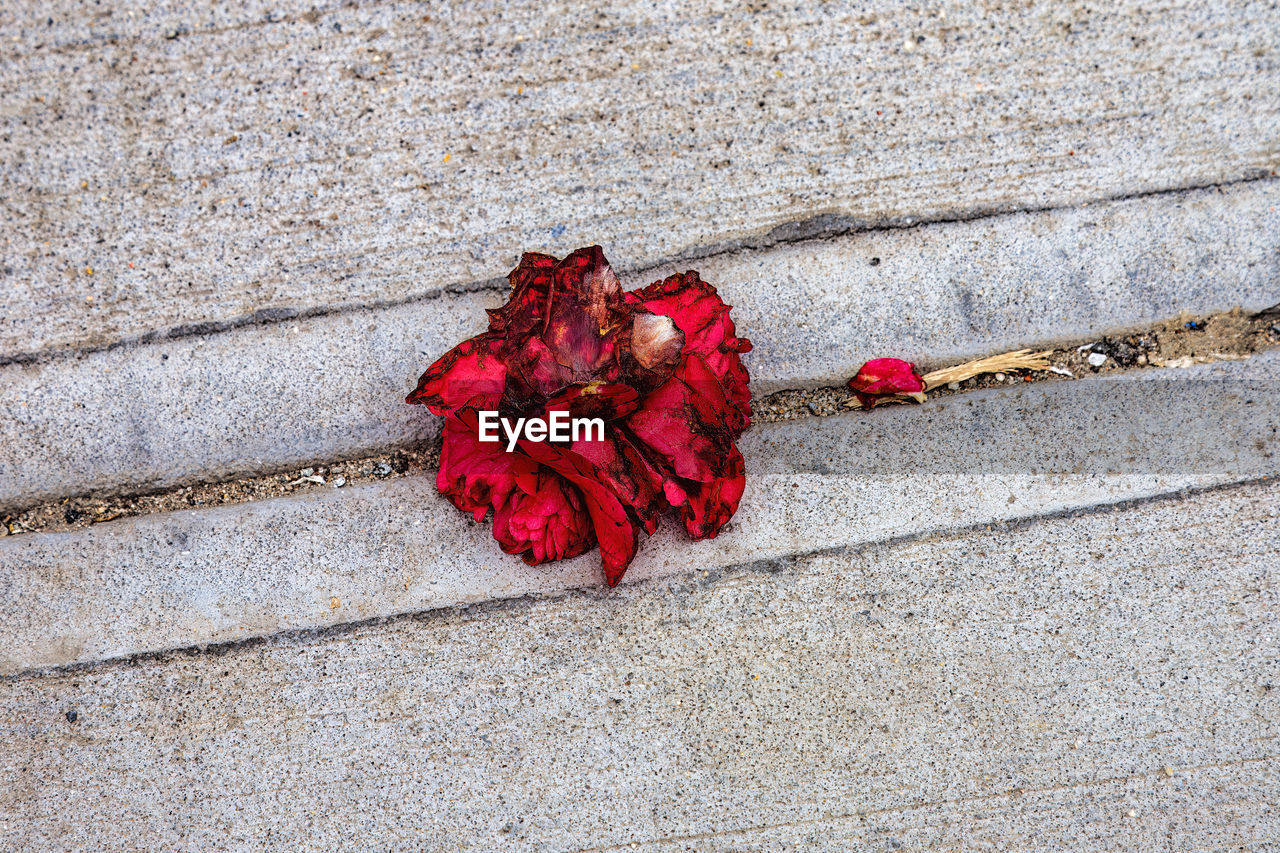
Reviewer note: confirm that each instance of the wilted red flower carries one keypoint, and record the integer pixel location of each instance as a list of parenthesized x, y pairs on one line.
[(659, 366), (886, 377)]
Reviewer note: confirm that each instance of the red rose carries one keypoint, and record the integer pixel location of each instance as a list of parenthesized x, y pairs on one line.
[(886, 377), (659, 366)]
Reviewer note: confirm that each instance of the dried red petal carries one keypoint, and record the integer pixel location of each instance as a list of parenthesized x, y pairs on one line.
[(687, 428), (613, 529), (684, 422), (660, 367), (476, 475), (472, 373), (607, 400), (709, 331), (530, 286), (624, 469), (544, 520), (885, 377), (710, 505)]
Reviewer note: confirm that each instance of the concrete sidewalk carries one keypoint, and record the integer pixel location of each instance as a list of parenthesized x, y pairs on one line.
[(1026, 618), (177, 167), (265, 398), (1100, 680)]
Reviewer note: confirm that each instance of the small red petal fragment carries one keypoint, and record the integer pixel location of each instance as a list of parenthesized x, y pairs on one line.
[(885, 377)]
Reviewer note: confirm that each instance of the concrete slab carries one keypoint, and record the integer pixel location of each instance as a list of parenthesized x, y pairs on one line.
[(241, 571), (1099, 681), (180, 166), (265, 398)]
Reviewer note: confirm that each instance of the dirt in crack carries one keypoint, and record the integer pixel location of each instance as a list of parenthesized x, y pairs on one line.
[(77, 512), (1180, 342), (1177, 343)]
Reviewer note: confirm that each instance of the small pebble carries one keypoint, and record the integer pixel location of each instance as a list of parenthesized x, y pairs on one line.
[(339, 482), (306, 472), (1097, 359), (1132, 813), (1000, 377), (954, 386), (381, 469)]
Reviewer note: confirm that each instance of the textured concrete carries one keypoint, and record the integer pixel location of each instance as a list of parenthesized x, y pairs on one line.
[(921, 631), (1098, 682), (195, 577), (177, 164), (265, 398)]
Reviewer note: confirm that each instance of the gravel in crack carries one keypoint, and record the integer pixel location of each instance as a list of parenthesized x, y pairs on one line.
[(78, 512)]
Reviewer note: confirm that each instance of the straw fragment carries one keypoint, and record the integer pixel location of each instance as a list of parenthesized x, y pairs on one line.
[(1023, 359)]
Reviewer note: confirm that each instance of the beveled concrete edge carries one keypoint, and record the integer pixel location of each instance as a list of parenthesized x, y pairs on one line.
[(820, 227)]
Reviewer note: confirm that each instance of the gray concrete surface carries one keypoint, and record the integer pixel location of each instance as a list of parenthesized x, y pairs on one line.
[(176, 164), (233, 234), (265, 398), (200, 576), (1101, 681)]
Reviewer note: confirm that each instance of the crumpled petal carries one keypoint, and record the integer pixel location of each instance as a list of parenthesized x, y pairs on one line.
[(472, 373), (687, 428), (710, 505), (607, 400), (530, 286), (684, 422), (580, 320), (476, 475), (885, 377), (709, 331), (544, 520), (624, 469), (613, 528)]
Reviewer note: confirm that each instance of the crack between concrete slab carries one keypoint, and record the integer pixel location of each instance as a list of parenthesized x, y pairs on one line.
[(704, 579), (824, 226), (1228, 336)]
